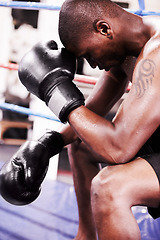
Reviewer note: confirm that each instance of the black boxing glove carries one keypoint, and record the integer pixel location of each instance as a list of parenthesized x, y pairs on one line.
[(22, 175), (47, 72)]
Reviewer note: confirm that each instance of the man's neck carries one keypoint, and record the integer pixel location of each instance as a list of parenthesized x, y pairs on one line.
[(136, 34)]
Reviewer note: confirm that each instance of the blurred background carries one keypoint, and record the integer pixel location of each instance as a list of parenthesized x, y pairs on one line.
[(54, 214)]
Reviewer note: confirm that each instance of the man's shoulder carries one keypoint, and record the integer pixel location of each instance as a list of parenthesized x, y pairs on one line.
[(154, 40), (151, 49)]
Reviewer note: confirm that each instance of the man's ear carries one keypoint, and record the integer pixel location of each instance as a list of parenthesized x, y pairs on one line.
[(104, 28)]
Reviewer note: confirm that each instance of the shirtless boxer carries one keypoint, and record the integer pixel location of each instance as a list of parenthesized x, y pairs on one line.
[(127, 47)]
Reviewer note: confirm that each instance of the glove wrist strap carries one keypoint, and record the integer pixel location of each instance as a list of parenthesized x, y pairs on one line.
[(53, 141)]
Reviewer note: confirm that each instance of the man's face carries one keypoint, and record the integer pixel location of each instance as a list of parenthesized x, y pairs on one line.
[(99, 51)]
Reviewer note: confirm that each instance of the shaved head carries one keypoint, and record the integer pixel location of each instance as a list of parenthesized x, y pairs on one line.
[(78, 18)]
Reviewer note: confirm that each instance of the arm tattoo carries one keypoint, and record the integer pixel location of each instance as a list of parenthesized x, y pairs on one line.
[(144, 77)]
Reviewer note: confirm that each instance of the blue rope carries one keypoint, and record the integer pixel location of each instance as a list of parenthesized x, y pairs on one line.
[(141, 4), (26, 111), (29, 5), (143, 12), (39, 6)]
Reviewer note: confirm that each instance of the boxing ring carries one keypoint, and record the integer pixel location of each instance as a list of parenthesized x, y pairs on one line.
[(54, 215)]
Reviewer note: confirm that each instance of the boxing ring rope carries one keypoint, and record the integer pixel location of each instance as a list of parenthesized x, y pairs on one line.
[(78, 78), (56, 7), (9, 66), (141, 4), (26, 111), (30, 5)]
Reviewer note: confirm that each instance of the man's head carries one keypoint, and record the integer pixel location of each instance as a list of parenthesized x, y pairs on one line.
[(78, 17), (86, 28)]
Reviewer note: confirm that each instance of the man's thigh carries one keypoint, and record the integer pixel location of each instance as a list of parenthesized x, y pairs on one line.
[(137, 181), (144, 184)]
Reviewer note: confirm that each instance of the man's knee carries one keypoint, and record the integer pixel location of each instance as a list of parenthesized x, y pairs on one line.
[(107, 189)]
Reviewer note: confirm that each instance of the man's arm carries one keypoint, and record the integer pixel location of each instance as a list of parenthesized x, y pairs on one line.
[(107, 91), (136, 120)]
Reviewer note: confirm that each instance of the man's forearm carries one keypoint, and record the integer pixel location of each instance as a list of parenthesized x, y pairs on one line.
[(96, 132), (68, 134)]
